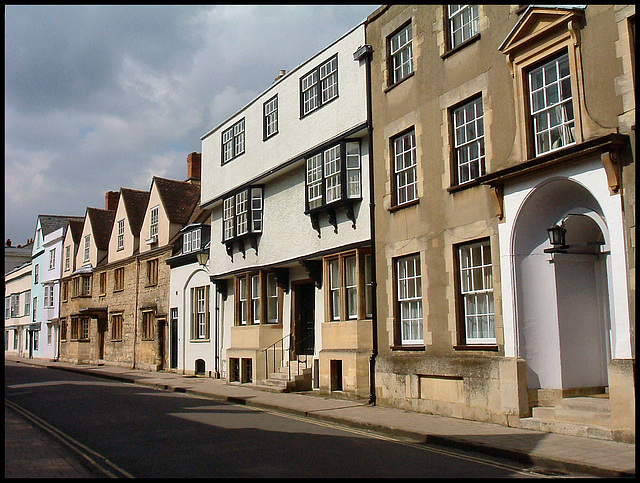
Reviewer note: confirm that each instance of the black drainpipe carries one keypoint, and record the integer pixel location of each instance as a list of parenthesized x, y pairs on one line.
[(366, 52)]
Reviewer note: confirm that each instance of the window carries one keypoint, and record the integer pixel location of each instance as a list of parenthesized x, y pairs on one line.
[(82, 286), (326, 174), (468, 128), (74, 328), (48, 296), (233, 141), (103, 283), (152, 272), (84, 334), (258, 298), (65, 291), (120, 234), (476, 293), (153, 224), (551, 105), (463, 23), (87, 242), (270, 122), (272, 298), (34, 310), (63, 329), (36, 340), (49, 333), (67, 258), (116, 327), (409, 296), (147, 325), (405, 168), (27, 303), (191, 241), (7, 307), (200, 313), (36, 273), (242, 214), (256, 294), (15, 305), (52, 259), (242, 312), (347, 283), (368, 285), (118, 279), (319, 86), (401, 54)]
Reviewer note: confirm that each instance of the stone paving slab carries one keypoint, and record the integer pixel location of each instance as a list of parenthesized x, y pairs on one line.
[(556, 451)]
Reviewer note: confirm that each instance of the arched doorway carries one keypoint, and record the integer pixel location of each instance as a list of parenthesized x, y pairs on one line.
[(562, 298)]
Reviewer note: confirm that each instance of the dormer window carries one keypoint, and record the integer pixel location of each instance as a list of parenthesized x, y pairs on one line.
[(191, 241), (242, 216), (87, 244)]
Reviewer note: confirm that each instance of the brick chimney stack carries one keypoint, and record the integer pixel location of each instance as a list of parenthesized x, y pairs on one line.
[(193, 167), (111, 200)]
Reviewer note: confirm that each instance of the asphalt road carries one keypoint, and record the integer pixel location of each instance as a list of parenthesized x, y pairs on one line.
[(144, 432)]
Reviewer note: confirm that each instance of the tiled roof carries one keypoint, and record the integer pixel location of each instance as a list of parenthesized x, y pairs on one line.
[(50, 223), (135, 202), (179, 198), (76, 229), (101, 223)]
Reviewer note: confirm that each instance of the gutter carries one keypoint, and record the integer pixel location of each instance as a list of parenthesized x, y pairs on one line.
[(366, 52)]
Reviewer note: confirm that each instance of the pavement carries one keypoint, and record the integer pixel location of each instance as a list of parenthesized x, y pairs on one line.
[(570, 454)]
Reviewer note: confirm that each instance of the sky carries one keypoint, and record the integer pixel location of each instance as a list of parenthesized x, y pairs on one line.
[(103, 97)]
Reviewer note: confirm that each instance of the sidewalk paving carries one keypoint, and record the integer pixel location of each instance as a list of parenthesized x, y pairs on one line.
[(548, 450)]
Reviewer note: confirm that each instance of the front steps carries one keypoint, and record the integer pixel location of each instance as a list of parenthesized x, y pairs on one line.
[(279, 381), (585, 416)]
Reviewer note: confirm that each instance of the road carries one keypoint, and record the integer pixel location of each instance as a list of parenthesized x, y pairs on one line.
[(143, 432)]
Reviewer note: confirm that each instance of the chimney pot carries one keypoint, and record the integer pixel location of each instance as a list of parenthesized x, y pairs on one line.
[(281, 74)]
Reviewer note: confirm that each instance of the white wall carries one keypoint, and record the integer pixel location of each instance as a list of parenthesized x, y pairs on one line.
[(295, 135)]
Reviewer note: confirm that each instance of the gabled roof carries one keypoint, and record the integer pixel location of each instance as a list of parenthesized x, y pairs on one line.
[(179, 198), (135, 203), (101, 223), (76, 229), (51, 223)]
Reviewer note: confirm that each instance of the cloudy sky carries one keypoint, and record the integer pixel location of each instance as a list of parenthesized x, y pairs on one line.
[(103, 97)]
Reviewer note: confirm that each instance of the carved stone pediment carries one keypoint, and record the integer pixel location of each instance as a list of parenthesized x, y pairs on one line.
[(540, 23)]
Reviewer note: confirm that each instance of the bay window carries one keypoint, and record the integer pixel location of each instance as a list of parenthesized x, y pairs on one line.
[(348, 290), (242, 216)]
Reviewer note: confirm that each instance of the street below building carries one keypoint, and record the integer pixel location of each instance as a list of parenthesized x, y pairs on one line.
[(144, 432)]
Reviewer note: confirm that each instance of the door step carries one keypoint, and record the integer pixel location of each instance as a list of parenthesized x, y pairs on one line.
[(585, 416)]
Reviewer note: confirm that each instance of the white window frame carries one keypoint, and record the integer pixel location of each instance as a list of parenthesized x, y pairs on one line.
[(200, 314), (120, 235), (351, 286), (15, 305), (242, 214), (401, 54), (36, 273), (87, 244), (256, 296), (270, 113), (67, 258), (468, 128), (463, 23), (154, 218), (233, 144), (27, 302), (242, 301), (48, 296), (551, 105), (476, 291), (319, 86), (52, 259), (405, 167), (334, 289), (272, 298), (409, 297)]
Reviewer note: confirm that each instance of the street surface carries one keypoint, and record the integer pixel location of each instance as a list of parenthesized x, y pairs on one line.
[(143, 432)]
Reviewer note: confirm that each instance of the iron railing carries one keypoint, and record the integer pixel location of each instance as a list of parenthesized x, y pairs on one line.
[(281, 342)]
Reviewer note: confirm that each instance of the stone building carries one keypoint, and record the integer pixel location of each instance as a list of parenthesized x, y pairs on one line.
[(493, 124)]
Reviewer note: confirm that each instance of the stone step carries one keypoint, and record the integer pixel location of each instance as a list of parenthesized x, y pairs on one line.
[(580, 416), (265, 386), (569, 428), (588, 403)]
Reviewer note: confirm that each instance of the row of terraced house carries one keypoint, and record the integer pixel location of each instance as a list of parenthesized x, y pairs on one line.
[(436, 212)]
